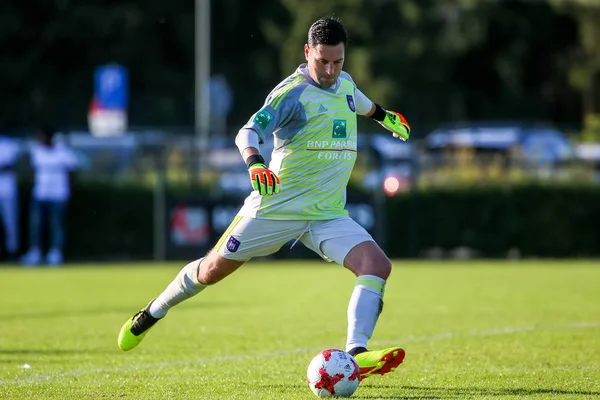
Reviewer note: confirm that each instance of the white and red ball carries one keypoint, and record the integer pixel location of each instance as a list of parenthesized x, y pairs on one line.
[(333, 373)]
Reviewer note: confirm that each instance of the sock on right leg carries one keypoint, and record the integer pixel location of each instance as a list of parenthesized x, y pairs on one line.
[(363, 310), (184, 286)]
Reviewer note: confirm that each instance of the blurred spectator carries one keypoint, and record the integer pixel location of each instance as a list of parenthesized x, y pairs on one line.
[(53, 165), (221, 101), (9, 196)]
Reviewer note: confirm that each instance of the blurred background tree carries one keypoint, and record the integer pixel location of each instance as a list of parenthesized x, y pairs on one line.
[(583, 60), (436, 60)]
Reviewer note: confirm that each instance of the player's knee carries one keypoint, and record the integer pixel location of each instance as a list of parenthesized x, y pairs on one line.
[(206, 275), (209, 273), (383, 268), (377, 266), (368, 259), (214, 268)]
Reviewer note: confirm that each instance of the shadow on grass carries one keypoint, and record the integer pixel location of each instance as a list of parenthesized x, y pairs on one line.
[(62, 314), (125, 311), (435, 393), (425, 392), (53, 352), (303, 388)]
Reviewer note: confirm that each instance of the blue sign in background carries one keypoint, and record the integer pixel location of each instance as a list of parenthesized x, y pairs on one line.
[(111, 87)]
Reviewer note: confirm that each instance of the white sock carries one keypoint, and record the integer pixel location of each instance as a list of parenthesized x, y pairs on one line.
[(184, 286), (363, 310)]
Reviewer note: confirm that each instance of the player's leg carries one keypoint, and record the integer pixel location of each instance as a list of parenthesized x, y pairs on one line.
[(245, 238), (347, 243), (187, 284), (372, 268), (366, 302), (191, 280)]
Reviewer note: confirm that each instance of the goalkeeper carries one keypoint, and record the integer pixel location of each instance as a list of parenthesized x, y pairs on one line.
[(301, 195)]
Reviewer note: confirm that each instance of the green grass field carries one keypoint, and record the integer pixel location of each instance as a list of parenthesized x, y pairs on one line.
[(494, 330)]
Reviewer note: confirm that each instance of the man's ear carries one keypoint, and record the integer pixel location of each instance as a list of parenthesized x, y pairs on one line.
[(306, 51)]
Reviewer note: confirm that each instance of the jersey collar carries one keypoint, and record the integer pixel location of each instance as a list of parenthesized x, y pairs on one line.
[(303, 70)]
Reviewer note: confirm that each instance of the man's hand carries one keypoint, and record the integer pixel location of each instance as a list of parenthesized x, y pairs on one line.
[(397, 124), (263, 179)]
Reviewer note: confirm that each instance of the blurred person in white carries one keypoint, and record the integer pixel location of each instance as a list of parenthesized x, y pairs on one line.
[(9, 196), (53, 166)]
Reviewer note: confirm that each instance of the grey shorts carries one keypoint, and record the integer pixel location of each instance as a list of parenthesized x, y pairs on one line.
[(247, 237)]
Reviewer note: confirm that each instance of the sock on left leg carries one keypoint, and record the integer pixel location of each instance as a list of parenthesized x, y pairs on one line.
[(184, 286), (364, 308)]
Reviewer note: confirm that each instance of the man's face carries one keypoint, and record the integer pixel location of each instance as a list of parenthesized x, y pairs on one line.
[(325, 63)]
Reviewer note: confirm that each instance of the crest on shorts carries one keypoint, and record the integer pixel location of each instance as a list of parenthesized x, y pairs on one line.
[(350, 100), (232, 244)]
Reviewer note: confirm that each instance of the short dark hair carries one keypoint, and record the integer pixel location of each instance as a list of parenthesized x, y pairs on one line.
[(327, 30)]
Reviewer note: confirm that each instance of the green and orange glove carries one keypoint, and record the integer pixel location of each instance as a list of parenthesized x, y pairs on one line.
[(397, 124), (263, 179)]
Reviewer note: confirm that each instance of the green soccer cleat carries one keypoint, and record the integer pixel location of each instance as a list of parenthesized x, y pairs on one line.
[(135, 329), (379, 362)]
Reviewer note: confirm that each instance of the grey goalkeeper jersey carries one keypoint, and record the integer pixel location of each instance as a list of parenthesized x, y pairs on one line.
[(315, 136)]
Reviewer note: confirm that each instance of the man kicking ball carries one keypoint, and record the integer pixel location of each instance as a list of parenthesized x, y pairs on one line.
[(301, 195)]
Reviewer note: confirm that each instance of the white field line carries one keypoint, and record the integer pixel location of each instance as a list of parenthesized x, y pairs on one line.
[(44, 378)]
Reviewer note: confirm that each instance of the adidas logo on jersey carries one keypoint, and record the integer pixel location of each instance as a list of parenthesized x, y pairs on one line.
[(322, 109)]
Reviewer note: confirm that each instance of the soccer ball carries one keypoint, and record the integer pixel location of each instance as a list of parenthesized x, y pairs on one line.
[(333, 373)]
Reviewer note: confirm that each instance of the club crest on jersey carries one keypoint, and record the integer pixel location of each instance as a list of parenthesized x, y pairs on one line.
[(232, 244), (351, 102)]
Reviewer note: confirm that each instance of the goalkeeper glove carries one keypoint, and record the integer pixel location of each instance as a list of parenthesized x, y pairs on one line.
[(397, 124), (263, 179)]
